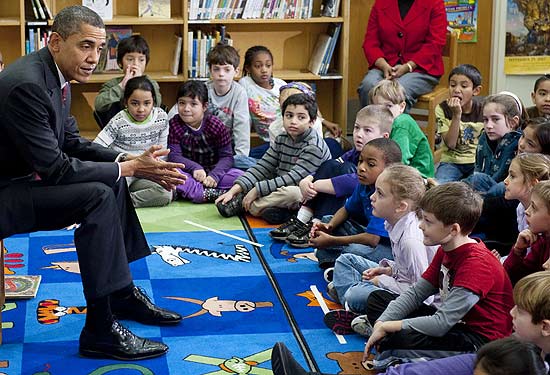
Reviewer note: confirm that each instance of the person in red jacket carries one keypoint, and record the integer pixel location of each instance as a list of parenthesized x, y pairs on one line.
[(404, 41)]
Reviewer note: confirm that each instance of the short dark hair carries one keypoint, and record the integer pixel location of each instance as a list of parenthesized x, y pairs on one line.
[(139, 83), (194, 89), (454, 202), (302, 99), (249, 57), (510, 356), (223, 54), (541, 126), (134, 43), (469, 71), (541, 79), (390, 149), (68, 21)]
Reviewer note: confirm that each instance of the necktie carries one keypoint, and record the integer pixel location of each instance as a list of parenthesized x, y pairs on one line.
[(64, 92)]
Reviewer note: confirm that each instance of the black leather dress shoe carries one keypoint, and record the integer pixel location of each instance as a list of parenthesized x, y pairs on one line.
[(138, 307), (119, 343), (283, 363)]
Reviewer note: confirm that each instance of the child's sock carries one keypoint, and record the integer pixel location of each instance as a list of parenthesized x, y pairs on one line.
[(304, 214)]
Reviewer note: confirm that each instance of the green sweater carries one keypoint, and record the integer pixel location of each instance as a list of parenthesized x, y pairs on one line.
[(414, 144), (111, 92)]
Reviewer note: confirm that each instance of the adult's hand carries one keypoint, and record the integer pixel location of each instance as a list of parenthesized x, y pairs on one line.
[(386, 68), (150, 166)]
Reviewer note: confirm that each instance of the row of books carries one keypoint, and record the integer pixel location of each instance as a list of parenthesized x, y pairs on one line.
[(37, 37), (321, 56), (250, 9), (39, 9), (200, 43)]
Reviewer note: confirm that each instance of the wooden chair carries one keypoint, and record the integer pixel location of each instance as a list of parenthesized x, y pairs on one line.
[(2, 286), (424, 110)]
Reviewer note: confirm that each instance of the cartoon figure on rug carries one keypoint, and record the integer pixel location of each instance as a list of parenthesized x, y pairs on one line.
[(349, 362), (215, 307), (276, 251), (170, 254), (67, 266), (59, 248), (49, 311), (11, 261), (308, 294), (235, 365)]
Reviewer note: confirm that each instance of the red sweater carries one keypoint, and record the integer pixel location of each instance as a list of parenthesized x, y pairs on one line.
[(519, 266)]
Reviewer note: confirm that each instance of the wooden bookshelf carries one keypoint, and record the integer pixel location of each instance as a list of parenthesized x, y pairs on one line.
[(290, 40)]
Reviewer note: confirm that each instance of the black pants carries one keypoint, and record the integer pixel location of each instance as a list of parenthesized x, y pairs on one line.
[(109, 235), (459, 338)]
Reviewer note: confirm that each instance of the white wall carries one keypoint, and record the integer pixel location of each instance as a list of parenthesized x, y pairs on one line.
[(521, 85)]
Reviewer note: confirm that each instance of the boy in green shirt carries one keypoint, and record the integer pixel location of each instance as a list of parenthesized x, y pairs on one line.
[(405, 131)]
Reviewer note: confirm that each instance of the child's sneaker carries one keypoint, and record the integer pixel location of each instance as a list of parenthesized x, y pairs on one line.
[(276, 215), (328, 274), (282, 232), (362, 326), (331, 291), (339, 321), (233, 207), (300, 237), (211, 194)]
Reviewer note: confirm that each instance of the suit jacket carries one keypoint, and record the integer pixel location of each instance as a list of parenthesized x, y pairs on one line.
[(420, 37), (39, 139)]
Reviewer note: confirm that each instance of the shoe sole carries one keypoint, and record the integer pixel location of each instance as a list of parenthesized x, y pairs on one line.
[(278, 238), (298, 245), (339, 321), (149, 323), (97, 354)]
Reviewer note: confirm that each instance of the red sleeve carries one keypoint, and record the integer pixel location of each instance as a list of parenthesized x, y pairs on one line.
[(371, 43), (432, 272), (518, 267)]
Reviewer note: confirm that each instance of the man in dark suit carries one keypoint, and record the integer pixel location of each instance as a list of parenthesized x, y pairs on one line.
[(50, 177)]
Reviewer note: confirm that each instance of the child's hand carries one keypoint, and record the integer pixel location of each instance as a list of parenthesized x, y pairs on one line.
[(250, 197), (320, 227), (321, 239), (496, 254), (334, 129), (209, 182), (378, 333), (307, 189), (455, 106), (199, 175), (525, 239), (371, 273), (226, 197)]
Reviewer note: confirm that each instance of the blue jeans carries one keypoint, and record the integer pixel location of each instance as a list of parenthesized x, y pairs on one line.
[(327, 256), (350, 287), (485, 184), (447, 172), (243, 162), (415, 84)]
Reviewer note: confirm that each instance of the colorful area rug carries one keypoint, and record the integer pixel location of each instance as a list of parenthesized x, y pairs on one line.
[(237, 298)]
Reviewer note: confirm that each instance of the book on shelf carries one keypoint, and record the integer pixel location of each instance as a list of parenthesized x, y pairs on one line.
[(49, 13), (107, 60), (176, 58), (154, 8), (330, 8), (21, 286), (104, 8), (321, 56), (319, 51), (39, 9)]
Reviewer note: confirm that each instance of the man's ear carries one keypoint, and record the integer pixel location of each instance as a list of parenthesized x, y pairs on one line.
[(54, 42)]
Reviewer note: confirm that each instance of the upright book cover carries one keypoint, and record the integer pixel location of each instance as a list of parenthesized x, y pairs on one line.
[(107, 61), (154, 8), (102, 7), (21, 286)]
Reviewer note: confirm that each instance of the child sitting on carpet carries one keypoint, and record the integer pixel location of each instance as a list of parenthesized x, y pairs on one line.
[(294, 155), (537, 237), (134, 130), (475, 290), (203, 144), (398, 191), (326, 191), (405, 131), (531, 321), (353, 228)]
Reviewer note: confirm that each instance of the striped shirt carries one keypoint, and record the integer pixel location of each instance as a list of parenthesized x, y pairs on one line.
[(285, 163)]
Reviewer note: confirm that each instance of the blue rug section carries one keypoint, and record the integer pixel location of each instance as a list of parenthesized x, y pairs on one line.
[(298, 275), (232, 314)]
